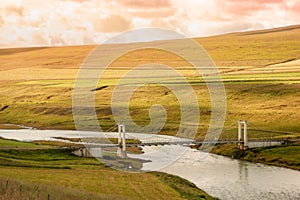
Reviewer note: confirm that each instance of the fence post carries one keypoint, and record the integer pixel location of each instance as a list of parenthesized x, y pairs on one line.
[(6, 187), (37, 192)]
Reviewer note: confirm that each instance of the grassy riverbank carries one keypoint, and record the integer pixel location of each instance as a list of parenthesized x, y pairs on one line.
[(281, 156), (60, 174)]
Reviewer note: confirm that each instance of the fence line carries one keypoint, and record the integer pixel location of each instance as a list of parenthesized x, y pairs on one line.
[(17, 190)]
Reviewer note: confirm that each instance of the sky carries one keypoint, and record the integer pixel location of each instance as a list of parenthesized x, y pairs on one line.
[(27, 23)]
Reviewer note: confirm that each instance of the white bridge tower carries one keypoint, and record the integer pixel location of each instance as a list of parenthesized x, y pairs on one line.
[(121, 151), (242, 144)]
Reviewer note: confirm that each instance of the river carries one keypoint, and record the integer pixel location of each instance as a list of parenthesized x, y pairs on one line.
[(230, 179), (219, 176)]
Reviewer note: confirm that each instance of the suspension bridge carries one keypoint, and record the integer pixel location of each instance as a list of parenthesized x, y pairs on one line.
[(242, 142)]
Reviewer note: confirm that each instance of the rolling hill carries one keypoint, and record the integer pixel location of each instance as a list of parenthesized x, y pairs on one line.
[(260, 70)]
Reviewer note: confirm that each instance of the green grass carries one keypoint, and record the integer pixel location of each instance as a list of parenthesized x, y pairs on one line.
[(185, 188), (39, 158), (38, 155), (17, 144), (64, 176), (86, 184), (283, 156)]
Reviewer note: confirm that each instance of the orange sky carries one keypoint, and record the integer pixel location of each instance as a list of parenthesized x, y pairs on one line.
[(78, 22)]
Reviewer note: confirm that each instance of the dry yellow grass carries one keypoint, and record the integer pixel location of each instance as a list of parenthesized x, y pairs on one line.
[(36, 83), (37, 173)]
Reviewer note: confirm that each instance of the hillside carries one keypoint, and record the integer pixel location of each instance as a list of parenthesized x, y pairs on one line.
[(260, 70), (254, 48)]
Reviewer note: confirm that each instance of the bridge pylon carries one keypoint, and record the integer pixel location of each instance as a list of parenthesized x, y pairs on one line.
[(243, 141), (121, 149)]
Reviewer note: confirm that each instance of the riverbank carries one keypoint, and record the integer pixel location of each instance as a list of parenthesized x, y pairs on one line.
[(209, 172), (282, 156), (58, 173)]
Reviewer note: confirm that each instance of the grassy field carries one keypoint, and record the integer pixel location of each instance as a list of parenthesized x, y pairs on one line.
[(260, 70), (16, 144), (60, 174)]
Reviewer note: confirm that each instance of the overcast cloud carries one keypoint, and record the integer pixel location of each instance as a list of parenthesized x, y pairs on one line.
[(79, 22)]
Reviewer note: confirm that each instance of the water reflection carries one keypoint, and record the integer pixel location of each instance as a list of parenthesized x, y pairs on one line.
[(230, 179), (243, 171)]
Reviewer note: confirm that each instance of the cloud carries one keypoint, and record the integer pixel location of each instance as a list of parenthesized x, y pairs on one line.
[(1, 21), (78, 22), (221, 27), (145, 3), (293, 6), (244, 8), (113, 23), (79, 1), (151, 13), (14, 10)]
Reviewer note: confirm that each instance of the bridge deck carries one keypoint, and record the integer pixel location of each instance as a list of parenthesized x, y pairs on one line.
[(187, 143)]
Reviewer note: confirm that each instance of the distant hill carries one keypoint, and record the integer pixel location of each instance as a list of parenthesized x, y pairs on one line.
[(274, 30), (252, 48)]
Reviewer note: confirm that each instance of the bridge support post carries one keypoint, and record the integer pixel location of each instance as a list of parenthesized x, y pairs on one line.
[(243, 142), (245, 135), (121, 149), (239, 131)]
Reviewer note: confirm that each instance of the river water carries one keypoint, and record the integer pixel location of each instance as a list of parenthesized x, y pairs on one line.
[(234, 179), (219, 176)]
